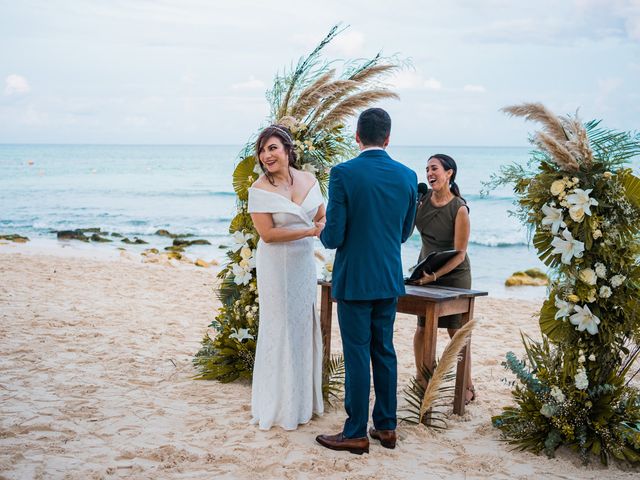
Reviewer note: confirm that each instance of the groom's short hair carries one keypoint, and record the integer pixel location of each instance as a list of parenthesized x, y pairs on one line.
[(374, 126)]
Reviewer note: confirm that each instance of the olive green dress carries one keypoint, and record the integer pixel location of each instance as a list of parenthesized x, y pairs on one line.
[(437, 227)]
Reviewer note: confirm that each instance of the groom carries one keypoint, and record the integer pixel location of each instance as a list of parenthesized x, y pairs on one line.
[(372, 203)]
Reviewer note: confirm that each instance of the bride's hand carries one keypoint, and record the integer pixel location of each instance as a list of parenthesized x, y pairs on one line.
[(318, 229)]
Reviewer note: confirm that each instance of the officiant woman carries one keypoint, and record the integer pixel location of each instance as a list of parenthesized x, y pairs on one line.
[(442, 219)]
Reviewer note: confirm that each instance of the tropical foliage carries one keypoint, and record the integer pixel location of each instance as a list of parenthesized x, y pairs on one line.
[(314, 102), (582, 204)]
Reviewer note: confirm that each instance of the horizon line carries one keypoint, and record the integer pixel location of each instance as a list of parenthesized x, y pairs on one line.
[(232, 145)]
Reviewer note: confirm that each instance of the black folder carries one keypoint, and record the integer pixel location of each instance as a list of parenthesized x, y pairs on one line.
[(430, 264)]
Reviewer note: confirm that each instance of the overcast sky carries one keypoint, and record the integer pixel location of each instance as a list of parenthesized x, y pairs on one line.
[(189, 71)]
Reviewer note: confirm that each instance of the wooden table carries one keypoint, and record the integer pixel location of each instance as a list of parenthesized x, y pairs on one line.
[(432, 302)]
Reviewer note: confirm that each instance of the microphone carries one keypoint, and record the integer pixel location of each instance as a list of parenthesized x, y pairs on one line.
[(422, 189)]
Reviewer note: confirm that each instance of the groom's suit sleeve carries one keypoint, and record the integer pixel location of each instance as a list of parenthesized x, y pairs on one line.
[(333, 234), (409, 219)]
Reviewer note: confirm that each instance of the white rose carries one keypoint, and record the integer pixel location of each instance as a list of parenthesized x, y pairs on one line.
[(581, 359), (557, 395), (588, 276), (605, 292), (557, 187), (597, 234), (607, 174), (246, 253), (592, 358), (576, 212)]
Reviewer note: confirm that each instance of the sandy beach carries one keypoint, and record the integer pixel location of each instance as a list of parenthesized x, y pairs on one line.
[(96, 382)]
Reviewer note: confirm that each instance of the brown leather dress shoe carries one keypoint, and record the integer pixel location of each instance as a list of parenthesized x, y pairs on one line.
[(338, 442), (387, 437)]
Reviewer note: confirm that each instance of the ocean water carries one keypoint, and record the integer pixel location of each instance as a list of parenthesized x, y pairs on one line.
[(135, 190)]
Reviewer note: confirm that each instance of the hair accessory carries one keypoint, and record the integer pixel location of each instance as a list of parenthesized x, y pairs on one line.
[(283, 131)]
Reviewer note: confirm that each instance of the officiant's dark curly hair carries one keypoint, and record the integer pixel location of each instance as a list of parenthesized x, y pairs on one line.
[(285, 137)]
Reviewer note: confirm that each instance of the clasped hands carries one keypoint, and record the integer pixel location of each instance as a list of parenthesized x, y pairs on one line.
[(316, 230)]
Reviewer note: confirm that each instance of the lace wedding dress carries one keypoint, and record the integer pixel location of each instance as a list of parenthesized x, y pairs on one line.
[(287, 375)]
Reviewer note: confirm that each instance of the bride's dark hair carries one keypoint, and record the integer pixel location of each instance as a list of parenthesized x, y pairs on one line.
[(449, 163), (284, 135)]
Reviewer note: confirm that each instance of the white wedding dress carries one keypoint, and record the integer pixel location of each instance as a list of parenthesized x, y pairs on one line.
[(287, 375)]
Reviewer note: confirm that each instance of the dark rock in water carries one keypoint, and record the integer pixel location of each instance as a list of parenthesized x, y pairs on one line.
[(167, 233), (175, 248), (89, 230), (97, 238), (14, 237), (114, 234), (151, 251), (135, 241), (188, 243), (72, 235)]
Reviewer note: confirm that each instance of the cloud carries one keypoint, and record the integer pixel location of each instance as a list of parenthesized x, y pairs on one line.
[(251, 84), (432, 84), (474, 88), (350, 43), (404, 80), (16, 85)]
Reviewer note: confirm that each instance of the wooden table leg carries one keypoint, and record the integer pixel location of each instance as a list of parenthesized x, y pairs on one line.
[(325, 322), (464, 368), (430, 344)]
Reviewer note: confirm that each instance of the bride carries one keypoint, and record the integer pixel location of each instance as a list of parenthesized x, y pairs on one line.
[(287, 209)]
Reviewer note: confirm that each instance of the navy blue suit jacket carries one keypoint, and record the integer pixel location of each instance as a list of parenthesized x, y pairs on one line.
[(372, 205)]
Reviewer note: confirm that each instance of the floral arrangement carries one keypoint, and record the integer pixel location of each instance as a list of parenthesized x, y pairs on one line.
[(582, 205), (314, 105)]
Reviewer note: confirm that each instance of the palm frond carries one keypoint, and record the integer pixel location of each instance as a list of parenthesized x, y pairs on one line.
[(414, 393), (447, 362), (558, 152), (333, 378), (351, 105), (243, 177), (331, 94), (303, 68), (538, 113), (311, 95)]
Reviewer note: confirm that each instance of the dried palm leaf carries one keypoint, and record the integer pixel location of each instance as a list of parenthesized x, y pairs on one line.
[(351, 105), (445, 365), (308, 94), (372, 72), (558, 151), (578, 144), (539, 113), (324, 95)]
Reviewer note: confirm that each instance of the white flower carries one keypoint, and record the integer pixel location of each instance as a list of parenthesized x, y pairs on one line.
[(605, 292), (246, 253), (607, 175), (242, 334), (592, 358), (581, 379), (242, 275), (553, 217), (248, 263), (597, 234), (557, 187), (581, 359), (584, 320), (580, 198), (564, 308), (309, 167), (568, 248), (240, 239), (588, 276), (576, 212), (557, 395), (617, 280), (592, 295), (601, 270)]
